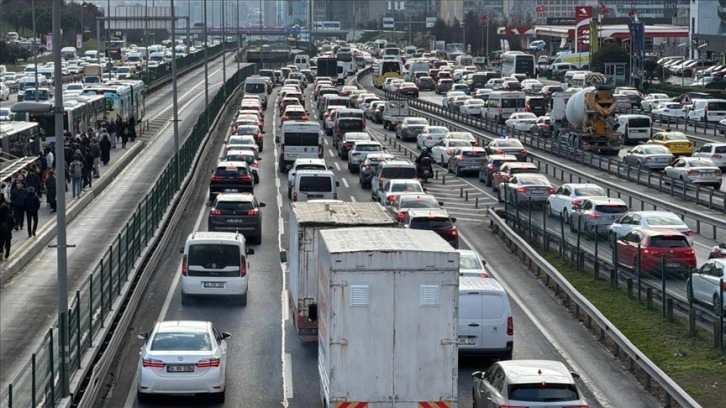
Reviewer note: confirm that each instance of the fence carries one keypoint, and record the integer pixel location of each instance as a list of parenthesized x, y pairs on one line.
[(38, 383)]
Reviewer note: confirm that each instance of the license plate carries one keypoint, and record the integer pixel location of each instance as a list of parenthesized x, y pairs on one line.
[(235, 221), (179, 368), (672, 265), (467, 340), (537, 192), (315, 196), (230, 190), (218, 285)]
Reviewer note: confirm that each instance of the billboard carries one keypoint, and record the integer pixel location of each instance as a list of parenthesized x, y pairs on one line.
[(583, 17), (327, 25), (388, 22), (711, 17), (140, 18)]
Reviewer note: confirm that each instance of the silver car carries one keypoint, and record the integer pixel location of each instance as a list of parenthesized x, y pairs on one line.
[(359, 151), (526, 188), (697, 170), (714, 151), (705, 283), (595, 214), (653, 157)]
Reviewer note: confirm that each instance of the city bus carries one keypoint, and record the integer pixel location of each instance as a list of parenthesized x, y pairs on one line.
[(20, 139), (388, 69), (123, 98), (517, 62), (138, 98), (79, 113)]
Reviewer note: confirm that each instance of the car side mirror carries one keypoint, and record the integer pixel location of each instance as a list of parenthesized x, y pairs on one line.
[(261, 205), (575, 376), (329, 168), (277, 139), (478, 375), (453, 219), (181, 250), (226, 335), (441, 203), (142, 336), (337, 184), (250, 251)]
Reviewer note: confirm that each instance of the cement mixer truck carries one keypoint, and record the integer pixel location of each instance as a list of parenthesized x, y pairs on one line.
[(585, 119)]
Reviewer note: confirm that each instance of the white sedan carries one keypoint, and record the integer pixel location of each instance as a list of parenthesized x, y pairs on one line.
[(651, 101), (443, 150), (395, 187), (521, 121), (670, 110), (182, 357), (449, 97), (430, 135), (560, 203), (472, 107), (471, 265)]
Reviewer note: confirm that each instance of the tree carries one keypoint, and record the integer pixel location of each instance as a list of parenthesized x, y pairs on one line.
[(608, 54)]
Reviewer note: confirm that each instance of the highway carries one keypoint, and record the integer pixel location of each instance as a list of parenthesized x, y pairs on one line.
[(28, 301), (268, 366)]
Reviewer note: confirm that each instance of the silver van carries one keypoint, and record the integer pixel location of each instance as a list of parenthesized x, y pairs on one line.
[(635, 128), (315, 185), (485, 318)]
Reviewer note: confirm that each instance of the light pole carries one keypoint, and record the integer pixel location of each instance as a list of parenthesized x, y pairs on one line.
[(224, 50), (62, 262), (146, 37), (206, 63), (239, 38), (173, 92), (35, 50)]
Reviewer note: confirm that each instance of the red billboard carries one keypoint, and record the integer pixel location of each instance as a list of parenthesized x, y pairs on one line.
[(583, 16)]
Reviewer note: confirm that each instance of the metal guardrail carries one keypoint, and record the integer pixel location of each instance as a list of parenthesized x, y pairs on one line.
[(672, 390), (676, 188), (93, 308)]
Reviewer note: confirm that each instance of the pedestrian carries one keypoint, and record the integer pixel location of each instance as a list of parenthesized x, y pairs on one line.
[(124, 136), (132, 128), (119, 129), (87, 168), (76, 173), (50, 190), (7, 223), (112, 131), (17, 200), (49, 157), (31, 205), (43, 162), (95, 151), (105, 145), (33, 180)]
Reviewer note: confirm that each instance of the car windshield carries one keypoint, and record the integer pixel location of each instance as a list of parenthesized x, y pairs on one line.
[(181, 341), (509, 143), (469, 261), (430, 223), (669, 241), (316, 184), (549, 392), (589, 191), (663, 219)]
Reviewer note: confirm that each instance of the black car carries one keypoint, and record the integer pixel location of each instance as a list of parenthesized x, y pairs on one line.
[(433, 219), (235, 212), (536, 105), (368, 167), (231, 177), (426, 83)]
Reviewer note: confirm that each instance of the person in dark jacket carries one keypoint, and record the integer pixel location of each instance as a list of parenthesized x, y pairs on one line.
[(132, 128), (31, 207), (105, 145), (33, 180), (17, 200), (50, 190), (87, 168), (6, 228)]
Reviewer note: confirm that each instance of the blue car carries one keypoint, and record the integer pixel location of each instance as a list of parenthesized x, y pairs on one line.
[(537, 45)]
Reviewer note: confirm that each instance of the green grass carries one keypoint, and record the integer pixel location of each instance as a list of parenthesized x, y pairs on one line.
[(690, 361)]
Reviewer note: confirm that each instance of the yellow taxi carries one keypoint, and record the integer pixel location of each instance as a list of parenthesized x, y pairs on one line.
[(677, 142)]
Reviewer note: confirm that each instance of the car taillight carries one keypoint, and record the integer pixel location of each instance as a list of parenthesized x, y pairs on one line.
[(593, 216), (294, 196), (282, 148), (448, 152), (253, 212), (484, 275), (184, 267), (429, 138), (453, 233), (391, 198), (550, 190), (522, 189), (255, 165), (215, 211), (368, 166), (648, 160), (717, 172), (245, 178), (510, 326), (304, 117), (217, 178), (499, 151), (527, 108), (347, 145), (524, 152), (212, 362), (335, 196), (242, 266), (152, 363)]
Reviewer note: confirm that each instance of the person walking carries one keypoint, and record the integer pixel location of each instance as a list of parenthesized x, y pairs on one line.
[(17, 200), (124, 135), (132, 128), (31, 205), (76, 173), (50, 190), (7, 223), (105, 145), (33, 180), (95, 151)]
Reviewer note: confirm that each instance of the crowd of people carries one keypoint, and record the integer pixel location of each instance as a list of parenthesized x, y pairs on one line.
[(85, 153)]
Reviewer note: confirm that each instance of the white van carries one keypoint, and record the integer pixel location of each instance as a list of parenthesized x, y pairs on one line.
[(485, 318), (464, 60), (635, 128), (257, 85), (302, 62), (501, 104), (578, 79), (315, 185), (69, 53), (91, 54), (215, 264), (708, 110), (299, 140)]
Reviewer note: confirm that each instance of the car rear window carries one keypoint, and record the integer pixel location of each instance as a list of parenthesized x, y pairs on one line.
[(639, 123), (520, 170), (351, 124), (509, 143), (430, 223), (533, 181), (368, 148), (217, 260), (181, 341), (399, 172), (234, 206), (249, 158), (417, 122), (717, 106), (310, 167), (536, 102), (230, 171), (543, 392), (668, 241), (419, 202), (400, 187), (315, 184), (473, 153), (611, 209), (589, 192)]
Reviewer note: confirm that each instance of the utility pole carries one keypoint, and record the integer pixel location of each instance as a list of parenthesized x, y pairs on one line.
[(174, 94), (239, 38), (206, 65), (35, 51), (224, 49), (62, 261), (146, 38)]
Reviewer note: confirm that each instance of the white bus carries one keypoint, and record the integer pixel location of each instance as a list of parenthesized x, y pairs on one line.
[(501, 104), (299, 140), (20, 139), (345, 59), (517, 62)]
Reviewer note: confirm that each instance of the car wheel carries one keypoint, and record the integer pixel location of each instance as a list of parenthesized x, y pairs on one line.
[(350, 168), (242, 301), (549, 210), (185, 300), (572, 226), (442, 161), (257, 179), (717, 186), (143, 398)]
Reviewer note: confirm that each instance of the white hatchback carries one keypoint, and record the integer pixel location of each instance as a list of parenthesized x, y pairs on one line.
[(215, 264), (182, 358)]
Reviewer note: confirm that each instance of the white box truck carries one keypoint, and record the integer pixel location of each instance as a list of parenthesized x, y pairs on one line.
[(387, 318), (306, 218)]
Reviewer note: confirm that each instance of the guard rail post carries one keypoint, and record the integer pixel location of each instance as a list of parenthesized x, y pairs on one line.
[(664, 295), (576, 255), (596, 265), (640, 270), (529, 209)]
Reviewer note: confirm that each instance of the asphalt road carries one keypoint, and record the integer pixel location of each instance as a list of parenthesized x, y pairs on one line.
[(269, 367), (28, 301)]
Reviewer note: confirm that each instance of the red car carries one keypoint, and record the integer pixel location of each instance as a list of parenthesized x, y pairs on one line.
[(654, 244)]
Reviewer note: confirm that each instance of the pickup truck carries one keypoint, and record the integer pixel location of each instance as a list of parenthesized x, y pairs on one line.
[(393, 114)]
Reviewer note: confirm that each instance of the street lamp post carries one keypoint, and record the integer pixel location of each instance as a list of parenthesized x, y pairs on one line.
[(206, 65), (224, 50), (239, 38), (35, 50), (174, 95)]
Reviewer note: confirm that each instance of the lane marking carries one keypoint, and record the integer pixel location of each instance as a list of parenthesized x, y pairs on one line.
[(337, 166), (345, 182), (164, 310), (332, 154), (353, 199)]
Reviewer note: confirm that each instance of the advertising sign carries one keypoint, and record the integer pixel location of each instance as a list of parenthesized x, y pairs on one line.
[(583, 17), (49, 42), (327, 25), (440, 45), (430, 21), (711, 17), (388, 22), (79, 41)]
